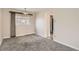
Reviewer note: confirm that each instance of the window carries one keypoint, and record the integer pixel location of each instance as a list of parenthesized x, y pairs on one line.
[(22, 19)]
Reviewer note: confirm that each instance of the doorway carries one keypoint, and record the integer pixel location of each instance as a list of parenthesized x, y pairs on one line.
[(51, 26), (12, 25)]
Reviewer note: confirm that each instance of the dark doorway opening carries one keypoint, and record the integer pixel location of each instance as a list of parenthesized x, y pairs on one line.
[(12, 25), (51, 25)]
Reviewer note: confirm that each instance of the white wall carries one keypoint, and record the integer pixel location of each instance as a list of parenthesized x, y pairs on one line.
[(43, 23), (40, 24), (67, 27), (26, 29), (5, 23)]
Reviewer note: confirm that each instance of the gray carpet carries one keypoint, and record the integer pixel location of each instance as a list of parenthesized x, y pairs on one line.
[(32, 43)]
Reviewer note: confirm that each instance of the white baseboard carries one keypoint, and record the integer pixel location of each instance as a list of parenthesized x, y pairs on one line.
[(67, 45), (41, 35), (25, 34), (6, 37)]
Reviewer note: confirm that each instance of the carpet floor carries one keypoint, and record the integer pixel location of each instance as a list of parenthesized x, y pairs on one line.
[(32, 43)]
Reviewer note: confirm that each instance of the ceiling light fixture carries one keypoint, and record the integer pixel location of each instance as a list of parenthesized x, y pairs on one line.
[(26, 13)]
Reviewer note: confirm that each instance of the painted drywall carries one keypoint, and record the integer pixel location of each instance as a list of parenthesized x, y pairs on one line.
[(26, 29), (43, 23), (40, 29), (67, 27), (5, 23)]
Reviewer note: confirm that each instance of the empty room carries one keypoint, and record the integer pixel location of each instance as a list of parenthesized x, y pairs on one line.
[(39, 29)]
